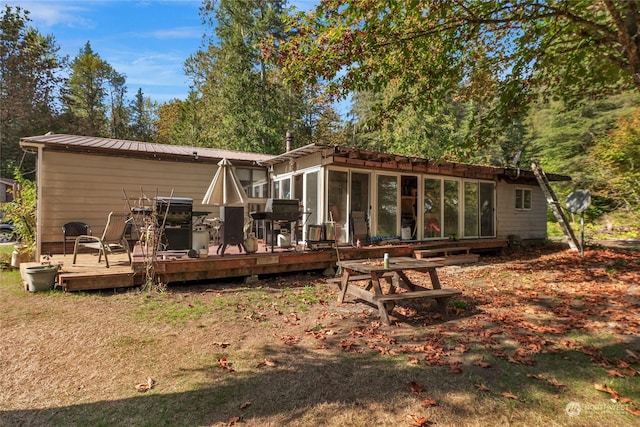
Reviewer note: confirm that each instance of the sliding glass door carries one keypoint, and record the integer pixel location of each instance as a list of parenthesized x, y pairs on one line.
[(387, 206)]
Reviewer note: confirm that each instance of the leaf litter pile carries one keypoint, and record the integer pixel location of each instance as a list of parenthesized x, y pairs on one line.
[(530, 334)]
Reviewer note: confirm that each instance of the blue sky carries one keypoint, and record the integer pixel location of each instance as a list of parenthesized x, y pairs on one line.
[(148, 41)]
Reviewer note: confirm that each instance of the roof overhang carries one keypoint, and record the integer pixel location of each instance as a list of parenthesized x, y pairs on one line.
[(139, 149), (367, 159)]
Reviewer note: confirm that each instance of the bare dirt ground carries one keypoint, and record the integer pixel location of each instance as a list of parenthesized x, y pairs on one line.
[(531, 334)]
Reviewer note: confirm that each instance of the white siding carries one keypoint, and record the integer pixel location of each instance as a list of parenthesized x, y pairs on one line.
[(528, 224)]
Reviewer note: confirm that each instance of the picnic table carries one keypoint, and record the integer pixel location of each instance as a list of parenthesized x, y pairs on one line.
[(395, 274)]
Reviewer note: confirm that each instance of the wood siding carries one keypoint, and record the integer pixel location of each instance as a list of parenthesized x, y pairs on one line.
[(86, 187), (529, 223)]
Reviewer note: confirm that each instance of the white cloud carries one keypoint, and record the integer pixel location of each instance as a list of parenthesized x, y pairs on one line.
[(48, 14)]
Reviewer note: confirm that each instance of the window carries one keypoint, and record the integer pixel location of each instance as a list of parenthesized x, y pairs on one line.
[(523, 198), (254, 181), (387, 205), (337, 203), (282, 189), (471, 211), (432, 208), (451, 201)]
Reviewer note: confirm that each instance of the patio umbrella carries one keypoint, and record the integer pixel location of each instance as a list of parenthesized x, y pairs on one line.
[(225, 188)]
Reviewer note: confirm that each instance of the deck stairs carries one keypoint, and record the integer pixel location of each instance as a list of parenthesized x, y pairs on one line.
[(448, 256)]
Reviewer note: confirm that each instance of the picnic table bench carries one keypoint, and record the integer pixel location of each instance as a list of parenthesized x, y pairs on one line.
[(396, 276)]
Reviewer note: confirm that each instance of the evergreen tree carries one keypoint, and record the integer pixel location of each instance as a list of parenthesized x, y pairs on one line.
[(244, 104), (85, 92), (119, 117), (143, 118), (29, 66)]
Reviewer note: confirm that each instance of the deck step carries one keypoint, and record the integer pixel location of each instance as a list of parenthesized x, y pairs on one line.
[(91, 281), (448, 256)]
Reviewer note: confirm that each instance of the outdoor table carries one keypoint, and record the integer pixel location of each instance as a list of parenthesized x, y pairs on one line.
[(395, 274)]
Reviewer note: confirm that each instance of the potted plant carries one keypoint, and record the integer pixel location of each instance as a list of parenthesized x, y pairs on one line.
[(21, 212)]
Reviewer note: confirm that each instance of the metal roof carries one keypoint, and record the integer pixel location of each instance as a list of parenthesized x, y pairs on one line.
[(76, 143)]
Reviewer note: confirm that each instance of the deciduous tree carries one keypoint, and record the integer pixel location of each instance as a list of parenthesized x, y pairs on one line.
[(501, 54), (616, 157)]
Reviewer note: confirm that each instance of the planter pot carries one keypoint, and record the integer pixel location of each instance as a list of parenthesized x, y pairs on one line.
[(41, 277), (18, 257), (251, 244)]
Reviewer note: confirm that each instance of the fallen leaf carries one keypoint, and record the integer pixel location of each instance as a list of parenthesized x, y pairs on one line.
[(245, 405), (413, 360), (418, 421), (144, 387), (266, 362), (557, 383), (225, 364), (615, 373), (415, 387), (456, 367), (509, 395), (428, 403), (482, 387), (234, 421), (605, 388), (633, 410)]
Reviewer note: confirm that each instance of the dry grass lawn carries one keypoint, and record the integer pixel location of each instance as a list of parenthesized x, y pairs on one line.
[(539, 338)]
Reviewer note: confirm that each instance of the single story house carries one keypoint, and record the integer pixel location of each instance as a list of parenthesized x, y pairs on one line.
[(83, 178), (411, 198)]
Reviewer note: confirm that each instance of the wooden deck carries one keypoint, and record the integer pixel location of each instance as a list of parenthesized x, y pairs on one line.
[(177, 267)]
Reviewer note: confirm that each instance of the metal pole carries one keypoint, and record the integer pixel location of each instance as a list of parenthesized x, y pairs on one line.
[(582, 235)]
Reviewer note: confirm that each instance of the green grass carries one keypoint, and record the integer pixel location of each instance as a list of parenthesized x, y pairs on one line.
[(161, 308), (5, 256)]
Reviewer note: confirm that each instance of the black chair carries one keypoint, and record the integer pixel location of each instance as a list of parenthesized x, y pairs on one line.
[(71, 230)]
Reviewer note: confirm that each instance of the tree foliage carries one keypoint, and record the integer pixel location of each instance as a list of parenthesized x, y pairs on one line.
[(29, 67), (617, 159), (242, 101), (562, 138), (21, 211), (85, 92), (143, 116), (243, 105), (501, 54), (413, 131)]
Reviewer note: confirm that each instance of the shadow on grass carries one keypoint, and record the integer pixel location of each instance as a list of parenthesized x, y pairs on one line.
[(301, 382), (306, 382)]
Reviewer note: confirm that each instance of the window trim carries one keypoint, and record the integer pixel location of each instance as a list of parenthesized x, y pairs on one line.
[(522, 206)]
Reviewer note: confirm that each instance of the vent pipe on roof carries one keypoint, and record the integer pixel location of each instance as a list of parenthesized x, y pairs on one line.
[(289, 139)]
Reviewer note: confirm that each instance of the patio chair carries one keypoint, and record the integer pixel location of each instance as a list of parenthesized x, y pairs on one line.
[(71, 230), (112, 239)]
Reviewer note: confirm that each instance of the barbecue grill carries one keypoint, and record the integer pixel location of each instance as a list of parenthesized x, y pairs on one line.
[(281, 212), (177, 225)]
